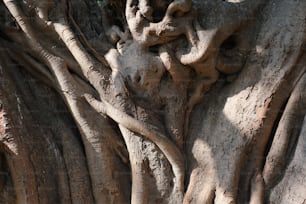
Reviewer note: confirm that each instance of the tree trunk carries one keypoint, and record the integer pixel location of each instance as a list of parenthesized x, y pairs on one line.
[(166, 101)]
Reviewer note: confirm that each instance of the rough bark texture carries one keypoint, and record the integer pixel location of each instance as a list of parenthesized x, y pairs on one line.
[(139, 101)]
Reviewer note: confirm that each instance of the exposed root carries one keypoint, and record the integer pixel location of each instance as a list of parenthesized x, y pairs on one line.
[(257, 189), (100, 163), (178, 7), (139, 191), (286, 135), (152, 133), (92, 70), (147, 33), (178, 72), (201, 43)]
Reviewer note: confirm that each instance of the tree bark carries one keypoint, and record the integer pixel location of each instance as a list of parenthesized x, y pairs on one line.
[(166, 101)]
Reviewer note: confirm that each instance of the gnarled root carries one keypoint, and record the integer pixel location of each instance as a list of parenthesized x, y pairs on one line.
[(152, 133), (147, 33), (178, 7), (286, 135)]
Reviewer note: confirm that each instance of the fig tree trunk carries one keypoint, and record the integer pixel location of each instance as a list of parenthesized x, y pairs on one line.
[(139, 101)]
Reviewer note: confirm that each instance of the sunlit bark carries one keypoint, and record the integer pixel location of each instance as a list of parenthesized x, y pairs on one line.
[(138, 101)]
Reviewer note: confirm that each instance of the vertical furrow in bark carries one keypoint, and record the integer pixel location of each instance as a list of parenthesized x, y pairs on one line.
[(238, 121), (24, 181), (51, 181), (7, 193), (12, 136), (98, 152), (286, 135), (54, 124), (100, 157), (291, 187), (283, 67), (79, 181)]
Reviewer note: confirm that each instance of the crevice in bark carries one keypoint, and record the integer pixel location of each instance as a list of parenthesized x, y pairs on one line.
[(273, 131), (286, 136), (7, 192)]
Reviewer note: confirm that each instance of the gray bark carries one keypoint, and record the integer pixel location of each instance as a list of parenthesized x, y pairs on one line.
[(140, 101)]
